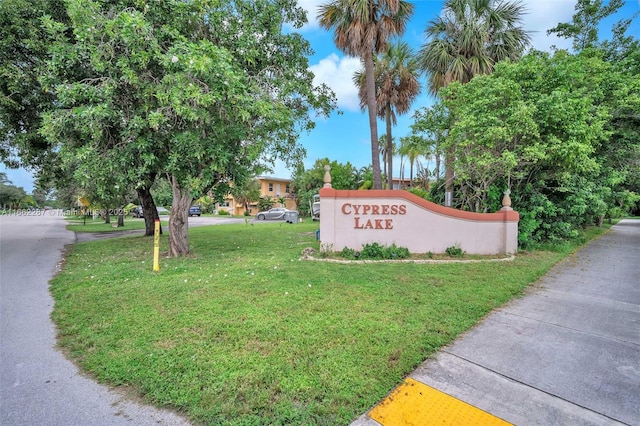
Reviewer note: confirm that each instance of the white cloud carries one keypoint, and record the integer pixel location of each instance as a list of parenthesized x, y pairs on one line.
[(337, 73), (543, 15), (311, 6)]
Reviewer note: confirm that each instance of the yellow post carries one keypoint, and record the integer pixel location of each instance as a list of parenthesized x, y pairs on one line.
[(156, 246)]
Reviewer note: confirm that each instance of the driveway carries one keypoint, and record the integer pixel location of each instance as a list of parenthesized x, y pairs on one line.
[(194, 221), (215, 220), (38, 385)]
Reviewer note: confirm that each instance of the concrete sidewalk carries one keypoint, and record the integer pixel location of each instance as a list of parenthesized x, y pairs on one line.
[(568, 353)]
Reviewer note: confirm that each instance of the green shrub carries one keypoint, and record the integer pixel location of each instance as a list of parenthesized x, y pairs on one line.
[(377, 251), (454, 251), (395, 252), (223, 213), (420, 192), (349, 253), (372, 251)]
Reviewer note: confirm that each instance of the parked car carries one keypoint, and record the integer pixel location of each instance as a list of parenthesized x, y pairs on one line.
[(136, 211), (195, 211), (274, 213)]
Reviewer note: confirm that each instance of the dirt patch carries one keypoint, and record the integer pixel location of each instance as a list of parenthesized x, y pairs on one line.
[(82, 237)]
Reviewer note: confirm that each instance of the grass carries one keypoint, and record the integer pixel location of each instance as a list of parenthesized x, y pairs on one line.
[(242, 332)]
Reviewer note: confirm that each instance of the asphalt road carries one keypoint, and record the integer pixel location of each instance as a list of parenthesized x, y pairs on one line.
[(38, 385)]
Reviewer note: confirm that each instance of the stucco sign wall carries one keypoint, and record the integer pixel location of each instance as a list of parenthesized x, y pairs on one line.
[(354, 218)]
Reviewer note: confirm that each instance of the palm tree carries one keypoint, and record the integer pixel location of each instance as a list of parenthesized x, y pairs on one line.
[(362, 28), (468, 39), (382, 149), (363, 177), (396, 76), (385, 151), (4, 179), (412, 147)]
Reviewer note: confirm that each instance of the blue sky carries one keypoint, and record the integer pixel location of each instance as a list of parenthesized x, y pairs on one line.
[(345, 137)]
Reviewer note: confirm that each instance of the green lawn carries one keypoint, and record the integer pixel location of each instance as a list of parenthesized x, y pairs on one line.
[(242, 332)]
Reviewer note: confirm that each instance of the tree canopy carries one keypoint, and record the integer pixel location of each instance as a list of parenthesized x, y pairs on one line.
[(362, 28), (307, 183), (396, 81), (469, 37), (549, 129), (202, 92), (466, 40), (23, 53)]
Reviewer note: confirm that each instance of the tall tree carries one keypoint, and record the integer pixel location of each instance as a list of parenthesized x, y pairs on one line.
[(396, 80), (23, 53), (200, 92), (542, 126), (362, 29), (432, 124), (468, 39), (583, 28), (620, 155), (412, 147), (23, 98), (10, 195), (4, 180), (492, 142), (382, 148)]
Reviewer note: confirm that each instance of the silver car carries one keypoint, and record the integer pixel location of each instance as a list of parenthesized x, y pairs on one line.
[(274, 213)]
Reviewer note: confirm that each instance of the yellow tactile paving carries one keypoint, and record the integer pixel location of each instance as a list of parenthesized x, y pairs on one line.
[(416, 404)]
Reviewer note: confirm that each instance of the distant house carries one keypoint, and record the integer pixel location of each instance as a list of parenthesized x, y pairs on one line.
[(401, 183), (269, 187)]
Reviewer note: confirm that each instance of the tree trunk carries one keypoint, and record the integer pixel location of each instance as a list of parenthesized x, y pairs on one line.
[(389, 149), (384, 162), (427, 184), (107, 216), (120, 219), (411, 173), (179, 219), (448, 177), (373, 112), (149, 211)]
